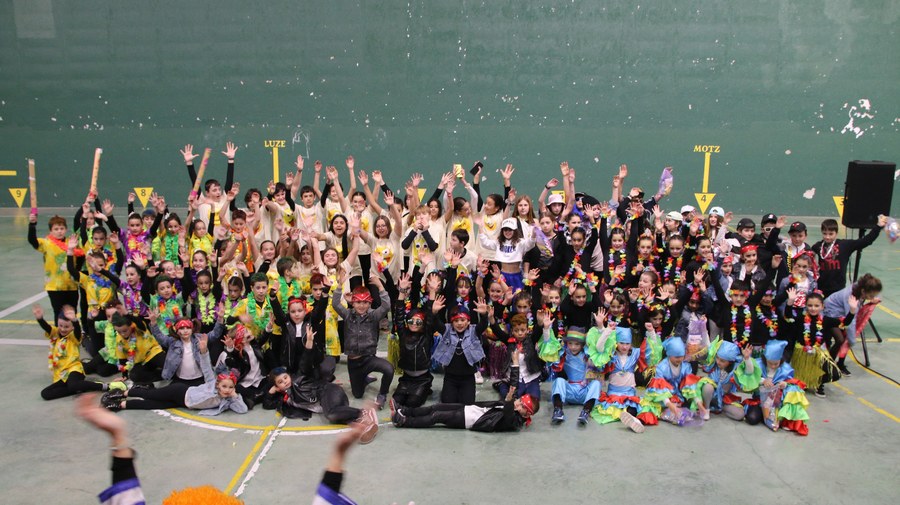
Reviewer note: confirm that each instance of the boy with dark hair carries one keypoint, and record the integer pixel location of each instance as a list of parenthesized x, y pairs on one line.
[(834, 254)]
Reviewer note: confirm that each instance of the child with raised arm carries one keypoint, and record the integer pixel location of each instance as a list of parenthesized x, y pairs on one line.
[(415, 328), (778, 397), (60, 286), (64, 357), (580, 383), (361, 332), (215, 395), (834, 254)]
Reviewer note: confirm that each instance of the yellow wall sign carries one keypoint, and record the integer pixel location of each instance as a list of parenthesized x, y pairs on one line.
[(839, 203), (18, 195), (705, 197), (275, 145), (143, 194)]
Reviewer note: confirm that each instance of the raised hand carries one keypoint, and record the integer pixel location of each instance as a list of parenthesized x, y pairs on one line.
[(363, 178), (853, 302), (131, 197), (623, 171), (779, 223), (552, 183), (405, 282), (507, 172), (417, 179), (188, 153), (38, 311), (438, 305), (230, 149), (350, 162), (600, 317), (376, 176), (107, 207), (564, 169), (299, 164), (481, 306), (203, 344)]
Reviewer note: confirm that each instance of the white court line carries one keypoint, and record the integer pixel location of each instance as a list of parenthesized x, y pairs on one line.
[(24, 303), (23, 341), (262, 454)]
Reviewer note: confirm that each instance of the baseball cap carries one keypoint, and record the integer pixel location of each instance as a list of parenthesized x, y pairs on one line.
[(797, 226), (717, 211), (687, 208), (510, 223), (768, 218), (674, 215), (746, 223)]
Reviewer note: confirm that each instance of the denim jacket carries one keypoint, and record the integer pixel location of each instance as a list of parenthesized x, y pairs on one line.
[(446, 346), (175, 348)]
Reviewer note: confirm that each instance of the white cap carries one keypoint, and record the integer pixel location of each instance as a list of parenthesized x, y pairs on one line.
[(674, 216), (511, 223), (717, 211), (687, 208), (555, 198)]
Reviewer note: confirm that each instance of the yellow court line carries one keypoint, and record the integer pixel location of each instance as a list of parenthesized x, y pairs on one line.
[(889, 311), (871, 372), (250, 457), (216, 422), (867, 403), (18, 321)]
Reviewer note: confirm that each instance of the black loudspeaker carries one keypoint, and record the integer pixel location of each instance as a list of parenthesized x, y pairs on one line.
[(867, 192)]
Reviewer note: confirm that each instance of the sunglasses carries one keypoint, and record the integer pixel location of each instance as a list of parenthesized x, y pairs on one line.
[(416, 321)]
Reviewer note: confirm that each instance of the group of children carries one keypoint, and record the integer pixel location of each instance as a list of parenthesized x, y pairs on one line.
[(633, 314)]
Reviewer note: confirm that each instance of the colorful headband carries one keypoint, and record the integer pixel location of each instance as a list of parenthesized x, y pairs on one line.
[(748, 248), (294, 300), (230, 376), (528, 403), (184, 323), (461, 315), (361, 295)]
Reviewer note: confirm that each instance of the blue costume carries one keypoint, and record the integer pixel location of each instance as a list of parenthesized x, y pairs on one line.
[(784, 404), (582, 383), (722, 380), (621, 393)]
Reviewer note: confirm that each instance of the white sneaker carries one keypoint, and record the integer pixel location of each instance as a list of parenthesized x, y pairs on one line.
[(478, 378), (706, 415)]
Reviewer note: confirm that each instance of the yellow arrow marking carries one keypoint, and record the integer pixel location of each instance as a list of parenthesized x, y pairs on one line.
[(18, 195), (706, 157), (143, 194)]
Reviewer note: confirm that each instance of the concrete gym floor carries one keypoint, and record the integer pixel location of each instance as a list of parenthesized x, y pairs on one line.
[(49, 456)]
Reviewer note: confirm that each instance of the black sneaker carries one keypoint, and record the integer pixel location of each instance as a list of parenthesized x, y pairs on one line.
[(844, 370), (112, 400), (820, 391), (583, 418), (558, 416), (398, 418)]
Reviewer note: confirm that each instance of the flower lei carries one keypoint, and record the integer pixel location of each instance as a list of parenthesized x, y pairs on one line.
[(230, 306), (667, 272), (130, 351), (382, 265), (646, 262), (617, 277), (100, 283), (807, 332), (745, 335), (286, 290), (171, 245), (168, 317), (259, 319), (770, 322), (57, 351), (206, 305), (590, 280), (133, 301)]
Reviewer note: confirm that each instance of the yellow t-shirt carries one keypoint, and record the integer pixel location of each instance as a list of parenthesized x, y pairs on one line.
[(56, 275), (99, 291), (145, 346), (64, 357)]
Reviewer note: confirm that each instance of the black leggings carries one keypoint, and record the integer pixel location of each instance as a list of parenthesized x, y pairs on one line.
[(336, 406), (148, 371), (73, 385), (451, 415), (413, 391), (99, 366), (360, 368), (458, 389), (60, 298), (169, 397)]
